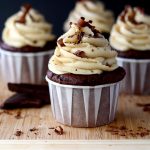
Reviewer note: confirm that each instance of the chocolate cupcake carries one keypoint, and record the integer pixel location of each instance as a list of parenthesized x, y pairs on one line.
[(130, 36), (102, 19), (26, 45), (84, 78)]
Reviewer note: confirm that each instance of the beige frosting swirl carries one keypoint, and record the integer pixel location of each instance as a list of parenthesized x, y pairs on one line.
[(33, 31), (132, 31), (82, 50), (102, 18)]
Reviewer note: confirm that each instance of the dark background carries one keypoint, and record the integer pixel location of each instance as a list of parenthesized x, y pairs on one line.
[(56, 11)]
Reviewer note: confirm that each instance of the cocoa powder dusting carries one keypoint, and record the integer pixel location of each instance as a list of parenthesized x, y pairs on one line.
[(126, 132)]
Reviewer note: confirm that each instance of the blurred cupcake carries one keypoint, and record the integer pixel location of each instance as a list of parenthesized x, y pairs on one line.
[(130, 36), (92, 10), (26, 45), (83, 77)]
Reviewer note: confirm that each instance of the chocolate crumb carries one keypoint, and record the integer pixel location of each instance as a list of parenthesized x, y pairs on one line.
[(123, 128), (59, 130), (18, 133), (146, 107), (49, 134), (33, 129), (18, 115)]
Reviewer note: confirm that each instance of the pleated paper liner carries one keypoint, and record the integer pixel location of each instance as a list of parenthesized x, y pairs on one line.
[(83, 106), (24, 67), (137, 80)]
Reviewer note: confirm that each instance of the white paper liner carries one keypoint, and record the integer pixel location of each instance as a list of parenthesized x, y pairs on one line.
[(83, 106), (28, 68), (137, 79)]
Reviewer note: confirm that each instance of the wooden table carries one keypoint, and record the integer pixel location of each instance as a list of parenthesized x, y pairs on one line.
[(128, 115)]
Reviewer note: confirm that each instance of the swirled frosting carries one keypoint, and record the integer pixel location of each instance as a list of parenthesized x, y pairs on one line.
[(132, 31), (82, 50), (102, 19), (27, 28)]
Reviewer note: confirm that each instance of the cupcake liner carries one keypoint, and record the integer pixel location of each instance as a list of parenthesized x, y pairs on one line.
[(137, 80), (24, 67), (83, 106)]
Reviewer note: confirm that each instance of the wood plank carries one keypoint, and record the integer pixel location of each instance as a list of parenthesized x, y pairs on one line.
[(128, 114)]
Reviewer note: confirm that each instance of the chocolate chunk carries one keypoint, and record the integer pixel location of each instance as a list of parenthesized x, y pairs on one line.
[(59, 130), (80, 53), (60, 42), (25, 101)]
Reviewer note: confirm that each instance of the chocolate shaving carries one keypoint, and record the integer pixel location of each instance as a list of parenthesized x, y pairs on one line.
[(18, 133), (59, 130), (60, 42), (80, 53), (26, 9), (80, 36)]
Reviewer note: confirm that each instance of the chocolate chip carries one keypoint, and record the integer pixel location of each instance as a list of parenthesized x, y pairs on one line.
[(80, 53)]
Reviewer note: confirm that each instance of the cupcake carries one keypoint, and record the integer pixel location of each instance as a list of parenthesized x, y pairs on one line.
[(83, 77), (130, 36), (26, 45), (90, 9)]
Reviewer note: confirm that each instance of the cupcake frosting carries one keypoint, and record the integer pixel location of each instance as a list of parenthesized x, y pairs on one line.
[(102, 18), (132, 31), (82, 50), (27, 28)]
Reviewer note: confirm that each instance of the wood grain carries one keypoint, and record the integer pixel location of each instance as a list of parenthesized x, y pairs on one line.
[(128, 114)]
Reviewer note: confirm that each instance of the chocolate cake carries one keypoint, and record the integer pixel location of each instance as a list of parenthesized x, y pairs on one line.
[(88, 80), (28, 49)]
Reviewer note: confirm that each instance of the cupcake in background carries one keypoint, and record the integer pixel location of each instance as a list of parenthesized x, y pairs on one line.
[(84, 77), (26, 45), (92, 10), (130, 36)]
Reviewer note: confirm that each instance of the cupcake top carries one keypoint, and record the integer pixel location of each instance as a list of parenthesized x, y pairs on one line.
[(27, 28), (132, 31), (82, 50), (102, 19)]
